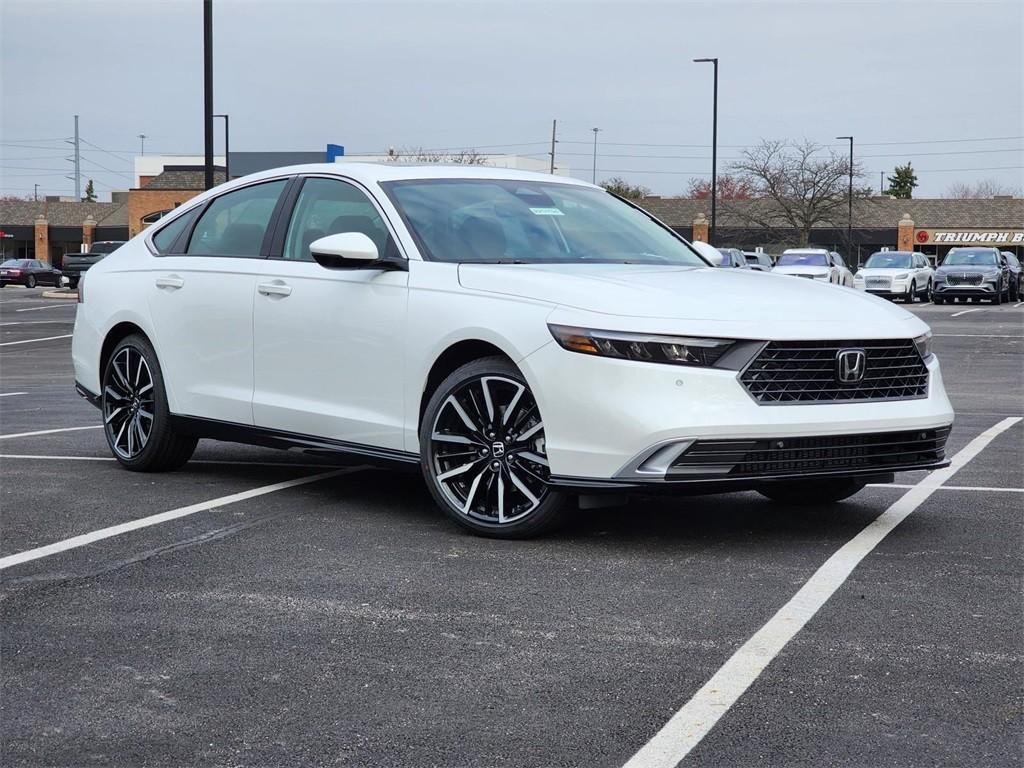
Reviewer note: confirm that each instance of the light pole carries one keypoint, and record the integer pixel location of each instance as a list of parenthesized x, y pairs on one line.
[(208, 92), (596, 131), (849, 201), (714, 150), (142, 143), (227, 148)]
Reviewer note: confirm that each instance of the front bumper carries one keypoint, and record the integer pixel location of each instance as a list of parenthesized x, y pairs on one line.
[(604, 416), (985, 290)]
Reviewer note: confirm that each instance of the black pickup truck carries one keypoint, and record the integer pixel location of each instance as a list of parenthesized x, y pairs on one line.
[(76, 263)]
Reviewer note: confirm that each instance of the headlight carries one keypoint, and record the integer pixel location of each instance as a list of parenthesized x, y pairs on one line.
[(858, 277), (991, 275), (939, 277), (901, 276), (924, 345), (675, 350)]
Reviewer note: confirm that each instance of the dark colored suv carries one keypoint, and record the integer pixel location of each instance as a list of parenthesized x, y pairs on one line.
[(972, 273), (1016, 276)]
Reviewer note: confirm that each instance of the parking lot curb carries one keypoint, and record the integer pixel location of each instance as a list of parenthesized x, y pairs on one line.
[(64, 294)]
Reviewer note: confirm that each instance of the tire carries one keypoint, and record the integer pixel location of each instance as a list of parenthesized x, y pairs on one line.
[(73, 282), (478, 418), (30, 281), (1014, 294), (133, 386), (812, 492), (998, 298), (911, 293)]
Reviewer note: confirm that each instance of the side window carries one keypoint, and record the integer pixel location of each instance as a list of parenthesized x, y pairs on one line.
[(327, 207), (164, 239), (839, 260), (234, 224)]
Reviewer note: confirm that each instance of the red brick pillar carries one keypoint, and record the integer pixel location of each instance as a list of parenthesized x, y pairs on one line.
[(700, 228), (905, 234), (88, 229), (42, 239)]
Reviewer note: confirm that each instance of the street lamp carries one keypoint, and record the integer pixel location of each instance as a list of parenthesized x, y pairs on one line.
[(595, 130), (849, 202), (227, 148), (142, 143), (714, 149)]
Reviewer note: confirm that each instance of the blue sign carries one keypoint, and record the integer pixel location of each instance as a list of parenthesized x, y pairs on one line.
[(334, 151)]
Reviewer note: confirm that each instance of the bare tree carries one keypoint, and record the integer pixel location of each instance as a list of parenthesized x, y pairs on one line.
[(619, 186), (978, 190), (796, 185), (421, 155)]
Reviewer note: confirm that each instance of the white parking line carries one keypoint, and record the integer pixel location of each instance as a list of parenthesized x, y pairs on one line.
[(978, 488), (163, 517), (12, 394), (698, 716), (29, 341), (965, 311), (38, 322), (48, 431), (36, 309), (979, 335)]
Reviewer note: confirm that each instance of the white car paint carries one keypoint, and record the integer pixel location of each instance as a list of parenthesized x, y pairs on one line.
[(897, 281), (345, 355)]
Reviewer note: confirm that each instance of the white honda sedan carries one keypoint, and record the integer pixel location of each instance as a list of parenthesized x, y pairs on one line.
[(524, 339)]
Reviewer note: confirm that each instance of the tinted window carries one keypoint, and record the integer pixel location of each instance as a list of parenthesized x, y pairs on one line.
[(164, 239), (888, 260), (838, 260), (803, 259), (970, 257), (327, 207), (234, 224)]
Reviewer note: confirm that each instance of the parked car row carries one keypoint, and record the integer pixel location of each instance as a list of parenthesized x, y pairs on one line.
[(28, 272)]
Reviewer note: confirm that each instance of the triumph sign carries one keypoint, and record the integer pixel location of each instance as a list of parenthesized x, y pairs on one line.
[(988, 237)]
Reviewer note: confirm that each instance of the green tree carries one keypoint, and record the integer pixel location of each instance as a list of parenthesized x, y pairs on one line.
[(90, 193), (902, 182), (622, 188)]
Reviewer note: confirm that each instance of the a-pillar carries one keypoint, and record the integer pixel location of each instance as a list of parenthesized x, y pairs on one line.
[(700, 228), (88, 231), (42, 239), (905, 234)]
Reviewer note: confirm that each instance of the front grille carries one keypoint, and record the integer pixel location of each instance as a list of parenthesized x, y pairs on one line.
[(882, 451), (878, 283), (788, 372), (963, 279)]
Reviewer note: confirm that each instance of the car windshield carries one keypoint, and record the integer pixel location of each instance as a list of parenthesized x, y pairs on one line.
[(15, 263), (891, 260), (965, 257), (526, 222), (802, 260)]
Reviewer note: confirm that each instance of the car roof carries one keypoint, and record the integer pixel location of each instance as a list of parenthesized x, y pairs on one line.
[(807, 250), (378, 171)]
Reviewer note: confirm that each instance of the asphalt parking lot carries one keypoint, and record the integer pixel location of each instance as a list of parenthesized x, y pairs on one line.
[(343, 621)]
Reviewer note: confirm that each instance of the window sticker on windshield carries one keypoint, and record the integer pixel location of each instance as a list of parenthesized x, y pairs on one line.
[(546, 212)]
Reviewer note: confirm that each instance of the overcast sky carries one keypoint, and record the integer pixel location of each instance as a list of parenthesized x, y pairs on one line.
[(918, 81)]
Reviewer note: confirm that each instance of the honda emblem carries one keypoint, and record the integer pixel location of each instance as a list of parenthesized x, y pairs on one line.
[(851, 365)]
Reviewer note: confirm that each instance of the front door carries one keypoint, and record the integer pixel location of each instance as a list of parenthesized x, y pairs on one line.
[(329, 342), (201, 300)]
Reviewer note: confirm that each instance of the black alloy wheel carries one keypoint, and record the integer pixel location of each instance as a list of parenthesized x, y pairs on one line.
[(30, 281), (136, 420), (483, 452)]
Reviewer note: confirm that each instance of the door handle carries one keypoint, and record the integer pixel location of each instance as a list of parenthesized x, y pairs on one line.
[(171, 281), (276, 288)]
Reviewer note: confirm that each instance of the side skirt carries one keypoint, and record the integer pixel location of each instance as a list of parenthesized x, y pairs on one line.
[(274, 438)]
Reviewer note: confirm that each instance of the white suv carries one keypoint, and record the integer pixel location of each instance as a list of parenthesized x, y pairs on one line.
[(522, 339), (903, 275), (814, 263)]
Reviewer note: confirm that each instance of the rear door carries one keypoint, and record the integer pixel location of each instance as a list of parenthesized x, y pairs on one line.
[(201, 301)]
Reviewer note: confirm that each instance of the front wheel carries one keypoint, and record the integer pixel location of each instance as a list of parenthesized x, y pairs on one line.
[(998, 298), (911, 293), (73, 282), (811, 492), (136, 419), (483, 452), (30, 281)]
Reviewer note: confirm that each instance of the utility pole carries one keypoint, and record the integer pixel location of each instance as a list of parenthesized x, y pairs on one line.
[(714, 151), (849, 202), (208, 90), (554, 127), (595, 130), (142, 143), (881, 182), (78, 162), (35, 192)]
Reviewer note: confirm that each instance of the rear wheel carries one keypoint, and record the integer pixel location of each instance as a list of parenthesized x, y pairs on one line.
[(810, 492), (136, 420), (483, 452)]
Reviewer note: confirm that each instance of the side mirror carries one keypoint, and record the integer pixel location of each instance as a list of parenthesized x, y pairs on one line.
[(344, 250), (709, 252)]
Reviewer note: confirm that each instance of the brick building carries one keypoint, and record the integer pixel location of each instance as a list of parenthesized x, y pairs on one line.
[(161, 194), (48, 229)]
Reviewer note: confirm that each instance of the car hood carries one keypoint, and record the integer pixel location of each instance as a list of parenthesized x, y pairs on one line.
[(970, 269), (736, 302), (882, 271), (801, 269)]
